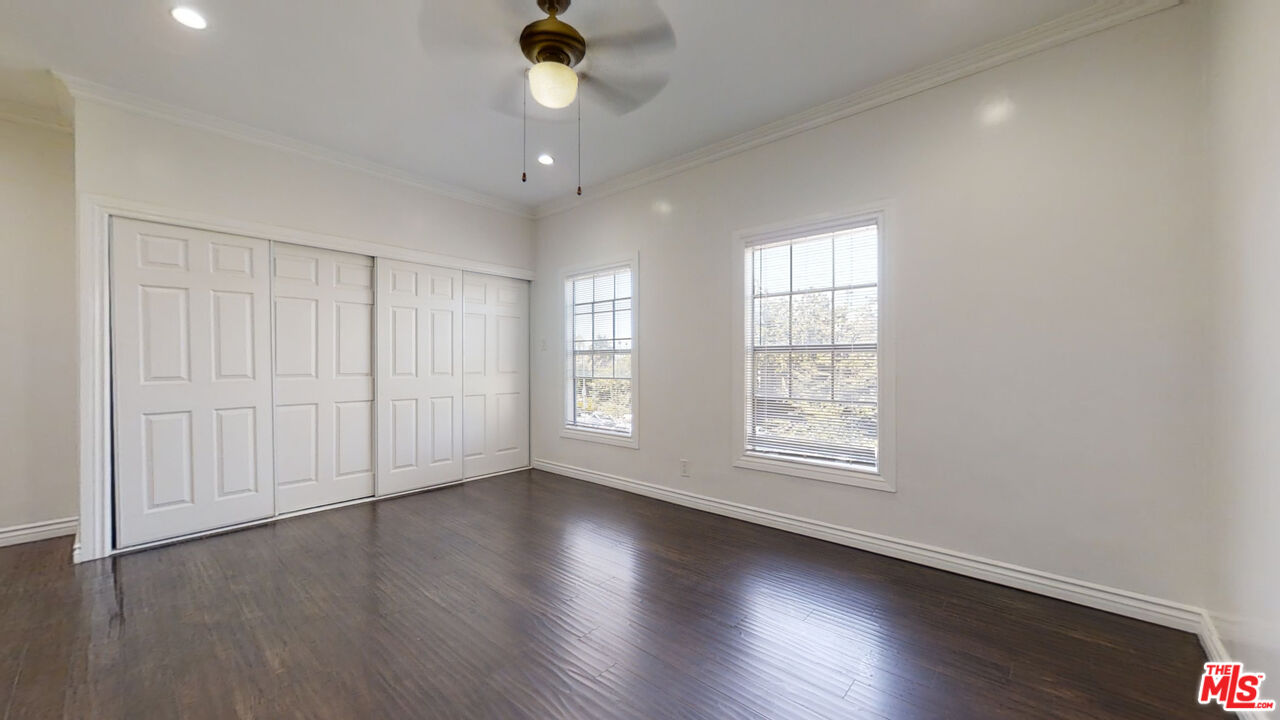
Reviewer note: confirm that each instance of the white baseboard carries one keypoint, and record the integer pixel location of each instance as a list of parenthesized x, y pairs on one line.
[(1211, 640), (31, 532), (1121, 602), (1216, 650)]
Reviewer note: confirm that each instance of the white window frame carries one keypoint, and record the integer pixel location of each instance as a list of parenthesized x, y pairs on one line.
[(604, 437), (881, 477)]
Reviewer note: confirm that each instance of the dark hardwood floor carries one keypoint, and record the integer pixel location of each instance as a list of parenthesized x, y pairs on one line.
[(536, 596)]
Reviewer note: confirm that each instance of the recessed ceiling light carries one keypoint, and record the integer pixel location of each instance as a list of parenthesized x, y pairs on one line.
[(189, 17), (546, 159), (996, 110)]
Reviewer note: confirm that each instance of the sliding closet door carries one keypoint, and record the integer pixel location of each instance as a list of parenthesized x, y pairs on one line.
[(323, 376), (419, 379), (495, 374), (191, 353)]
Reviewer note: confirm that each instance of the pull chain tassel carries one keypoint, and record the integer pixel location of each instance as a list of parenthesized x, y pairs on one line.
[(579, 145), (524, 136)]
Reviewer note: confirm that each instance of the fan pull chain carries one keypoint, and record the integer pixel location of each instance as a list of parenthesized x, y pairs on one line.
[(524, 136), (579, 145)]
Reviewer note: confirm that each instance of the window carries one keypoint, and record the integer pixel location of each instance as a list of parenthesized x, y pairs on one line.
[(600, 315), (812, 352)]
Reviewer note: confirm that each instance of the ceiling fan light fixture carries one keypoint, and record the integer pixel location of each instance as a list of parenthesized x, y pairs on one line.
[(189, 17), (553, 84)]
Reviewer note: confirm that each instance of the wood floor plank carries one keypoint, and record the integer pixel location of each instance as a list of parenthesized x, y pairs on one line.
[(535, 596)]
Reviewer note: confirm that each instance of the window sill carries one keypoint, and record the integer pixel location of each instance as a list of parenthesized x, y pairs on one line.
[(604, 438), (815, 470)]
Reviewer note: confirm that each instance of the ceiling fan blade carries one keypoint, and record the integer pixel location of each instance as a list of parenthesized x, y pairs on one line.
[(473, 26), (650, 40), (623, 95), (507, 98)]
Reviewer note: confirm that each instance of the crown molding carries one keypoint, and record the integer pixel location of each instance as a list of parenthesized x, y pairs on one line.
[(82, 89), (1101, 15), (47, 118)]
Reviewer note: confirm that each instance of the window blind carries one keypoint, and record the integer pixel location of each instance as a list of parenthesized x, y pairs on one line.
[(599, 306), (813, 343)]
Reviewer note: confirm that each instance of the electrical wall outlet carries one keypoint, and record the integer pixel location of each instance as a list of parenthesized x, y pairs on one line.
[(684, 468)]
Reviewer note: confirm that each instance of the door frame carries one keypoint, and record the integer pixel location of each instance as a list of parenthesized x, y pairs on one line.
[(93, 289)]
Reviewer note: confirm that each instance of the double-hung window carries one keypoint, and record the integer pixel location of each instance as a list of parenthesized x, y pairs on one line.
[(599, 403), (813, 398)]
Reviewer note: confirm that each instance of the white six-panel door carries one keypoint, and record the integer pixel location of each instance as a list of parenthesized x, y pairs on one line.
[(192, 384), (250, 381), (419, 310), (495, 374), (323, 376)]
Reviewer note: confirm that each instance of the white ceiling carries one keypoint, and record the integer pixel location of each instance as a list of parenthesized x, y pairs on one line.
[(419, 85)]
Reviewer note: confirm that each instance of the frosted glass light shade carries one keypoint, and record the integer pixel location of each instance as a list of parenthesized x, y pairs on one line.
[(189, 17), (553, 85)]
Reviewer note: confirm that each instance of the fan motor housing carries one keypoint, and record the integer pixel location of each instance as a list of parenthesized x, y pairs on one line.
[(554, 7), (553, 40)]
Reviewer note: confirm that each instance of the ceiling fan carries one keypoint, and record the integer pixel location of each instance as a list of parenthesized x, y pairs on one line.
[(559, 55), (618, 64)]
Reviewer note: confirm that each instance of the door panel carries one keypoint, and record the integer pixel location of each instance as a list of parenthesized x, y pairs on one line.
[(297, 433), (324, 376), (233, 335), (419, 387), (495, 374), (191, 357), (236, 436), (168, 461), (353, 423), (404, 434)]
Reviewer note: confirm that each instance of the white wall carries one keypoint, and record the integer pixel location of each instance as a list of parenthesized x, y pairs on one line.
[(1243, 492), (137, 157), (38, 362), (1047, 279)]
